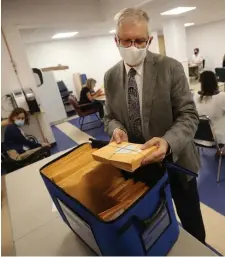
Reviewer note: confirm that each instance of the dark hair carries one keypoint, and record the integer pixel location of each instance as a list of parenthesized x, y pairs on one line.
[(209, 84), (17, 112), (197, 49)]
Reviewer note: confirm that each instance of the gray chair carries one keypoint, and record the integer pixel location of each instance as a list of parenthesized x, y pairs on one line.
[(220, 74), (9, 164), (205, 137)]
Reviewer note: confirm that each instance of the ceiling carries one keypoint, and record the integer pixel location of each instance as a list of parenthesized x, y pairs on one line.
[(39, 20)]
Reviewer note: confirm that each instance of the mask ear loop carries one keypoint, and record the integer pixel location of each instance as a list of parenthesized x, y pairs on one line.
[(116, 40), (149, 41)]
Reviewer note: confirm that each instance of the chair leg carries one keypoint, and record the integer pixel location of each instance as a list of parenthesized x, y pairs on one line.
[(219, 169), (81, 121), (97, 116)]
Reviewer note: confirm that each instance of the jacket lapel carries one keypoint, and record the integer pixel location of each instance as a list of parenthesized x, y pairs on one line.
[(121, 79), (149, 82)]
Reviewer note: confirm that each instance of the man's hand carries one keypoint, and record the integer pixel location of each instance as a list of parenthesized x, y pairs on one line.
[(159, 154), (119, 136)]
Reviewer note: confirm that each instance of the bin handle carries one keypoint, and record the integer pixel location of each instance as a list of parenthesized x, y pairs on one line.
[(177, 168), (146, 222), (98, 143)]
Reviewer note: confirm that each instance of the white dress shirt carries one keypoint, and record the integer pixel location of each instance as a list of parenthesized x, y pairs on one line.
[(197, 59), (139, 81), (214, 107)]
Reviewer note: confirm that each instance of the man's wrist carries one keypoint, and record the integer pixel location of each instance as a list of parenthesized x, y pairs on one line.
[(120, 129)]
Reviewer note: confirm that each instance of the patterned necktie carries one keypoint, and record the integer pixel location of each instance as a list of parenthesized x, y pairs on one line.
[(134, 105)]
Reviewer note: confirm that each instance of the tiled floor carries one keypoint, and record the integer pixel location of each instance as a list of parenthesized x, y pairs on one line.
[(212, 195), (7, 245)]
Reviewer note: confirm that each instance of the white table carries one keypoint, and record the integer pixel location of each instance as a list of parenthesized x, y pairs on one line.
[(100, 98), (220, 85), (39, 231)]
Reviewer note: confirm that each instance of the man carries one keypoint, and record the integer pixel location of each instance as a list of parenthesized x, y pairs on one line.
[(148, 101), (196, 57), (198, 61)]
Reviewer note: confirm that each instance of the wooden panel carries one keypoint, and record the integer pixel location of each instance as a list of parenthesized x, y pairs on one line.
[(55, 68)]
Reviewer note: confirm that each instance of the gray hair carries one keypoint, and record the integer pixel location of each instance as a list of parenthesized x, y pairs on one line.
[(131, 14)]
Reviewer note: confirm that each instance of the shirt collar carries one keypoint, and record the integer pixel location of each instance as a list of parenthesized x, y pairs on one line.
[(138, 68)]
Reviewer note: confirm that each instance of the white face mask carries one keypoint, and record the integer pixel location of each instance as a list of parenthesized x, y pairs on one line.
[(133, 55)]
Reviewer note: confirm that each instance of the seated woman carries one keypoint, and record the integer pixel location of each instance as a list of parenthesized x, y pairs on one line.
[(17, 145), (88, 95), (211, 102)]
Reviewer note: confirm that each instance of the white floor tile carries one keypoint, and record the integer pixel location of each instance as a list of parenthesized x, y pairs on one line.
[(73, 132), (215, 228)]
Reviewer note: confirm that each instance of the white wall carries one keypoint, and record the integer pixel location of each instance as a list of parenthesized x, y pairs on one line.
[(10, 82), (92, 56), (210, 39)]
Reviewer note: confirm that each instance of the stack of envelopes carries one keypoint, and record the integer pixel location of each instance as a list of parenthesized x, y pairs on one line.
[(125, 156), (100, 187), (125, 193)]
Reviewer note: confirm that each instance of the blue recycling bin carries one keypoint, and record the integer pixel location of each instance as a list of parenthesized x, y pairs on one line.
[(148, 227)]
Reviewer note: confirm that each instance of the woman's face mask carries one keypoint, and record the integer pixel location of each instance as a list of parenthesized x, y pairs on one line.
[(19, 123)]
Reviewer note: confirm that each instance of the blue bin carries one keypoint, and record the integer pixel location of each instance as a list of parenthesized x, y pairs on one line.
[(149, 227)]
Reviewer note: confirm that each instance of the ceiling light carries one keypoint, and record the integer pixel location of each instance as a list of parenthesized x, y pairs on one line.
[(189, 24), (178, 10), (64, 35), (112, 31)]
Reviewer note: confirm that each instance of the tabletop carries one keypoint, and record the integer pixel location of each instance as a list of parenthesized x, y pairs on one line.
[(192, 65), (100, 98), (38, 230)]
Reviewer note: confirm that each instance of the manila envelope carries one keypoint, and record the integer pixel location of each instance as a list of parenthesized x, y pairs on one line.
[(125, 156)]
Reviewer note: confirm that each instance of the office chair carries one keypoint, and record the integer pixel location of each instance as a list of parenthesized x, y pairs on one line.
[(203, 63), (64, 92), (205, 137), (9, 164), (220, 74), (84, 113)]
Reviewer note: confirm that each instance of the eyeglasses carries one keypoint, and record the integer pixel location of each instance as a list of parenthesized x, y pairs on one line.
[(139, 43)]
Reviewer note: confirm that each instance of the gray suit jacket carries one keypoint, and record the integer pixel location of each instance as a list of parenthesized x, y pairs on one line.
[(168, 110)]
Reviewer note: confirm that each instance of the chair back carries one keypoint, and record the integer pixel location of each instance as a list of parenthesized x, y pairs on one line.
[(203, 64), (220, 74), (32, 139), (4, 154), (204, 135), (62, 87)]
